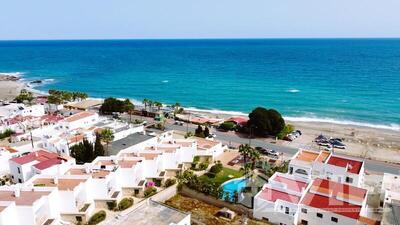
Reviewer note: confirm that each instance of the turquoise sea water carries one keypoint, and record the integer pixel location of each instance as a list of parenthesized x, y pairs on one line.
[(339, 80)]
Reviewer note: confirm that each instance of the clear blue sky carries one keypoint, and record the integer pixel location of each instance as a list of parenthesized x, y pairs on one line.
[(114, 19)]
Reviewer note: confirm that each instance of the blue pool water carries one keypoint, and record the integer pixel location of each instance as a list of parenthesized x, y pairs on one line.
[(347, 81), (233, 186)]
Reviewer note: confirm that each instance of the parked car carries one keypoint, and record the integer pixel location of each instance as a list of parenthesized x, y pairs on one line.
[(321, 138), (328, 148), (180, 123), (212, 135), (152, 133), (261, 150), (289, 137), (324, 143), (338, 144), (272, 152)]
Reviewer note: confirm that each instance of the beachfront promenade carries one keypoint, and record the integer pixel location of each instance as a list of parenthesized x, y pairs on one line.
[(227, 138)]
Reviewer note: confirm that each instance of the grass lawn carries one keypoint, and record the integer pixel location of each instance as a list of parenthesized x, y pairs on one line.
[(224, 175)]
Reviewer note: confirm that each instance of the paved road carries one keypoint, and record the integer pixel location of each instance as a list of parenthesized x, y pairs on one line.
[(231, 138), (228, 137)]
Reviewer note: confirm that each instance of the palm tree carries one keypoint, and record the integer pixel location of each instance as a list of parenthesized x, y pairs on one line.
[(107, 136), (158, 105), (150, 103), (244, 149), (145, 103)]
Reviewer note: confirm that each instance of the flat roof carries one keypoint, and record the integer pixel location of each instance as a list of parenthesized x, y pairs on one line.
[(154, 213), (85, 104), (291, 184), (343, 199), (205, 144), (79, 116), (63, 184), (133, 139), (25, 197), (307, 156), (353, 166), (272, 195)]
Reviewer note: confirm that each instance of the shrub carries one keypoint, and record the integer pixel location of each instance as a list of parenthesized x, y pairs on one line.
[(111, 205), (97, 217), (7, 133), (216, 168), (266, 121), (228, 125), (203, 166), (210, 175), (125, 203), (285, 131), (169, 182), (196, 159), (150, 191)]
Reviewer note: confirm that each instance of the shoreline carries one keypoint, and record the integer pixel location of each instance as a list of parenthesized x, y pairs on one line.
[(377, 142)]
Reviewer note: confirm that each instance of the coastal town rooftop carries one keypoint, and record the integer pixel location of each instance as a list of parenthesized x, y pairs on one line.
[(65, 183), (25, 197), (43, 159), (203, 143), (133, 139), (79, 116), (312, 156), (151, 212), (85, 104), (352, 165), (335, 197), (283, 187)]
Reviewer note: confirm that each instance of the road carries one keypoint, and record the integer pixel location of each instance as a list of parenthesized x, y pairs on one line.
[(232, 139), (228, 137)]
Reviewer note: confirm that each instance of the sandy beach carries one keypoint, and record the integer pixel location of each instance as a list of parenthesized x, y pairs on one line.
[(371, 143), (10, 89), (366, 142)]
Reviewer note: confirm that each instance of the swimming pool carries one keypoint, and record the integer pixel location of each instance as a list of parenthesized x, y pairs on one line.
[(232, 186)]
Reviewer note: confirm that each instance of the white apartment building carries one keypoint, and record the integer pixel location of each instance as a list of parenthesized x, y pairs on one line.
[(278, 200), (329, 202), (323, 164), (28, 206), (38, 162)]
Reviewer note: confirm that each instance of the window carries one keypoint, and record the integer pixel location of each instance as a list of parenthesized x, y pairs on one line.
[(301, 171), (334, 219), (291, 170), (19, 170), (78, 218), (265, 219), (349, 180), (19, 180), (304, 222), (304, 211), (287, 210), (319, 215)]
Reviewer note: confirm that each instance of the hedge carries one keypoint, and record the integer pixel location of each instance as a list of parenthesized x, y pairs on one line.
[(125, 203), (150, 191), (97, 217)]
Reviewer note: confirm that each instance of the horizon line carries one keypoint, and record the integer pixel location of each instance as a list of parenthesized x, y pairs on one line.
[(216, 38)]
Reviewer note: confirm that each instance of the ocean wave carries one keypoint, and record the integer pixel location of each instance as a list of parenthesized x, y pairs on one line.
[(15, 74), (392, 126), (216, 111), (293, 91), (165, 81)]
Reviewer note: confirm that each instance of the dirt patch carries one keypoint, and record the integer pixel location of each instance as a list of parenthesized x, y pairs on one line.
[(203, 213)]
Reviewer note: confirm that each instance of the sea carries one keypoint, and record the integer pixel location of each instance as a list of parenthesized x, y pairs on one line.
[(344, 81)]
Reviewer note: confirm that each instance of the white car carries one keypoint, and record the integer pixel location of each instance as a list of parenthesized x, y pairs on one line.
[(152, 133)]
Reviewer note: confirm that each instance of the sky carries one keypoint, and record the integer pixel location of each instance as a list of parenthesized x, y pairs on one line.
[(158, 19)]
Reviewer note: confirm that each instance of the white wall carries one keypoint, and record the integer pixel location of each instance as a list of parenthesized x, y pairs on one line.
[(311, 217)]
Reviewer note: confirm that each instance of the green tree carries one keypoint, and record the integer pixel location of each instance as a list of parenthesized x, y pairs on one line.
[(227, 125), (266, 121), (129, 107), (206, 132), (145, 103), (88, 153), (158, 105), (199, 131), (111, 105), (244, 150), (98, 147), (107, 136), (24, 95)]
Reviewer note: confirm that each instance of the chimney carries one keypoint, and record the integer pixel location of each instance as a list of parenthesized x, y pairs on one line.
[(36, 154), (87, 169), (17, 191), (56, 180)]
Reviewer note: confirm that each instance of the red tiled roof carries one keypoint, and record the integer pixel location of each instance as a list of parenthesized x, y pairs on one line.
[(333, 204), (273, 195), (48, 163), (45, 159), (239, 120), (291, 184), (353, 165)]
